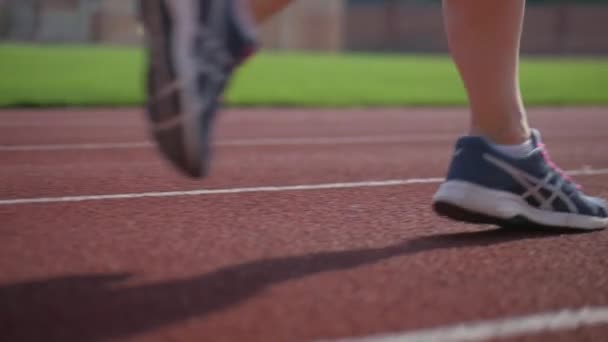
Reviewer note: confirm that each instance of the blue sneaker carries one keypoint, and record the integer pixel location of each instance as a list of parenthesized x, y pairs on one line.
[(194, 46), (486, 186)]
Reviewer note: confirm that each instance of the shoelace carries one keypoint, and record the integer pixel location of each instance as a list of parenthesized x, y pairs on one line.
[(553, 165)]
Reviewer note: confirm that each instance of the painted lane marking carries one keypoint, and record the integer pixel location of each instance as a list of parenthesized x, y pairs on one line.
[(561, 320), (260, 189)]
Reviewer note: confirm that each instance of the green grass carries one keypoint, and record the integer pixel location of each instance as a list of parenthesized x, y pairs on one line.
[(104, 76)]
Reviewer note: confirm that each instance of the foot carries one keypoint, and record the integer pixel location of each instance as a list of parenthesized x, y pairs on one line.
[(486, 186), (194, 46)]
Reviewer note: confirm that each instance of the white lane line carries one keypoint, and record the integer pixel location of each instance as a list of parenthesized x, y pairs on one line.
[(205, 192), (259, 142), (67, 147), (562, 320), (16, 123), (336, 140)]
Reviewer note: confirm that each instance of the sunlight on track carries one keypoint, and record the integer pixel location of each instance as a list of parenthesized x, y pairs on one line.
[(503, 328)]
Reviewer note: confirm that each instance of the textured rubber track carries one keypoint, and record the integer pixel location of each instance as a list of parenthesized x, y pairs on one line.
[(285, 266)]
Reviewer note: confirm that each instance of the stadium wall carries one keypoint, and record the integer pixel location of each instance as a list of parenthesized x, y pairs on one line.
[(325, 25), (548, 28)]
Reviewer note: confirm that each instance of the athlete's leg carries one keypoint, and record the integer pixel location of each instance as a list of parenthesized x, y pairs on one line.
[(194, 46), (484, 40), (501, 172)]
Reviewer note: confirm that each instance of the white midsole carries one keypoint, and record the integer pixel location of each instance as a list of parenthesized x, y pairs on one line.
[(505, 205)]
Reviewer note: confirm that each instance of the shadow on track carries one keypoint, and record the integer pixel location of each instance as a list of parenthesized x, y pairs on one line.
[(97, 307)]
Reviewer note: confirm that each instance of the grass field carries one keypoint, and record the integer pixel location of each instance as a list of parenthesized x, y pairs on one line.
[(92, 76)]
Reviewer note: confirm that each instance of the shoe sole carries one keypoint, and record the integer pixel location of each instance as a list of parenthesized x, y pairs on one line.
[(181, 114), (471, 203)]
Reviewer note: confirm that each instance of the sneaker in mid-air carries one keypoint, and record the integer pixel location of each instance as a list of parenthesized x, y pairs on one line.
[(486, 186), (193, 48)]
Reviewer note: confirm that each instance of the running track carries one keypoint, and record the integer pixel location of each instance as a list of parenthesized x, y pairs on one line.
[(101, 240)]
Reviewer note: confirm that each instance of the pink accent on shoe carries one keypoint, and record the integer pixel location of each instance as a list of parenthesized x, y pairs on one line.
[(545, 153), (248, 52)]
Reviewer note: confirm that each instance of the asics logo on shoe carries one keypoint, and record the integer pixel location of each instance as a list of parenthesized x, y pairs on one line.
[(534, 185)]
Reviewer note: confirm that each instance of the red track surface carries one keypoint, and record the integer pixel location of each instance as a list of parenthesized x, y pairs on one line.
[(283, 266)]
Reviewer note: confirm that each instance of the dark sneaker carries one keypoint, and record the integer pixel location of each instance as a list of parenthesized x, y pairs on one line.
[(486, 186), (194, 46)]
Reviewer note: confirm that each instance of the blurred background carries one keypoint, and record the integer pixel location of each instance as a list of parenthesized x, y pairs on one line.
[(322, 53), (552, 27)]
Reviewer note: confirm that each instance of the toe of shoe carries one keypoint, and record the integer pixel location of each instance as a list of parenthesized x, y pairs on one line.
[(598, 206)]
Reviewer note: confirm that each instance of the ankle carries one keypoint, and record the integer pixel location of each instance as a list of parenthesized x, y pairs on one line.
[(503, 136)]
